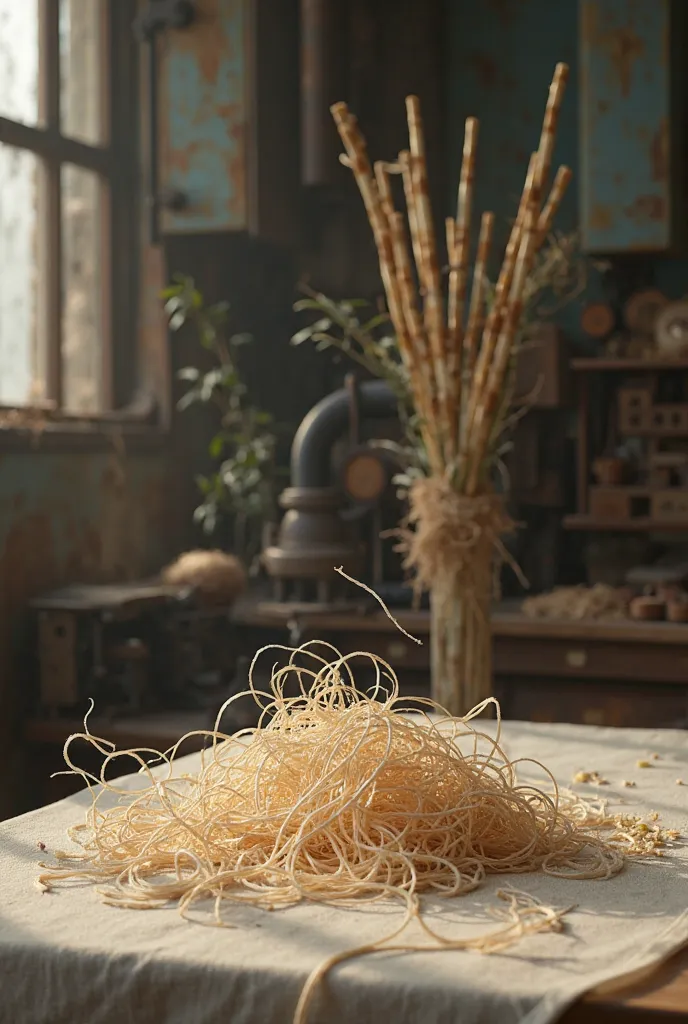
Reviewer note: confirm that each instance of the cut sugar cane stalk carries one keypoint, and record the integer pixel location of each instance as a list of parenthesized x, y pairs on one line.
[(458, 277), (476, 308), (428, 270), (360, 165), (459, 378)]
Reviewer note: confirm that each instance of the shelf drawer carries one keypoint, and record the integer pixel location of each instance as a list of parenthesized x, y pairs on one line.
[(622, 705), (643, 663), (396, 649)]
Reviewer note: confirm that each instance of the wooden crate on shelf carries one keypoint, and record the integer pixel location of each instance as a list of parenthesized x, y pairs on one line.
[(669, 419), (618, 503), (670, 506), (667, 469)]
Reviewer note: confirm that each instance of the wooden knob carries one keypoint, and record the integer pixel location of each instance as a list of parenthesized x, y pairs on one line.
[(365, 477), (598, 320), (396, 651)]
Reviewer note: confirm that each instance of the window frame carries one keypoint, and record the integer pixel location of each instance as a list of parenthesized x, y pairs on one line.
[(116, 160)]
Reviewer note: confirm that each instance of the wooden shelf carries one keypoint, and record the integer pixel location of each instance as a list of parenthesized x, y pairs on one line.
[(592, 365), (641, 524), (656, 432)]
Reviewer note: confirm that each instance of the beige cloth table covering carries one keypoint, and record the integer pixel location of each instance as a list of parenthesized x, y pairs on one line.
[(65, 958)]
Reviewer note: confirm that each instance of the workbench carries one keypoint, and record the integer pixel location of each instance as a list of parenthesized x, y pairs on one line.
[(618, 673), (626, 674)]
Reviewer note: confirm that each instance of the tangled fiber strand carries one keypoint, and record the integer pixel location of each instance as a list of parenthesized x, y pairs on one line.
[(337, 796)]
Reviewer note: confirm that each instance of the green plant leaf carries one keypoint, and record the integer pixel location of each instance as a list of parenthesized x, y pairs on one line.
[(303, 335), (208, 335), (189, 399), (209, 382), (217, 446), (229, 378), (374, 322), (204, 484), (303, 304), (191, 373), (174, 304), (241, 339)]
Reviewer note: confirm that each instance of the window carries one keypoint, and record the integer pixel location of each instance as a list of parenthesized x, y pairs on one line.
[(68, 186)]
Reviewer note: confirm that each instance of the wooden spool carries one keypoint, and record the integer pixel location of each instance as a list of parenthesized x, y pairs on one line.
[(648, 609), (677, 611)]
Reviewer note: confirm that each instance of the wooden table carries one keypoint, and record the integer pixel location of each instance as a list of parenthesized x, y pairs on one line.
[(623, 661), (660, 998)]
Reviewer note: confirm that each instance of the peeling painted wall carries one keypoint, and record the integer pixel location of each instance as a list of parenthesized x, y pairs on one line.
[(626, 144), (203, 109), (501, 55), (67, 518)]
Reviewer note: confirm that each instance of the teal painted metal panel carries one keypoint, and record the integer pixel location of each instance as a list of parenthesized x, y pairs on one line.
[(203, 119), (626, 125), (502, 55)]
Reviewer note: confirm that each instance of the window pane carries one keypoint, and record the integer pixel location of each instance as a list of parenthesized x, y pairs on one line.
[(82, 347), (19, 60), (81, 69), (21, 181)]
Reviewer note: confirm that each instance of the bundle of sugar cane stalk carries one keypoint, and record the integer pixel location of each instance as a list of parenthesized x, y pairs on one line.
[(459, 364)]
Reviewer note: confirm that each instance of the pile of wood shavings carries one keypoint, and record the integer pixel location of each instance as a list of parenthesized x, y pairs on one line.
[(600, 602), (337, 796)]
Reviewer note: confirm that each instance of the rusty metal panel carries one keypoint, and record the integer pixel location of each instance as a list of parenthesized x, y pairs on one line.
[(65, 518), (626, 125), (203, 119)]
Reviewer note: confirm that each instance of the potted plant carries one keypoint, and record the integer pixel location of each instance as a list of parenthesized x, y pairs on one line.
[(243, 485)]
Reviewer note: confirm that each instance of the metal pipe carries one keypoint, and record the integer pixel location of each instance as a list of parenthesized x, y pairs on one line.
[(152, 197), (326, 422), (322, 50)]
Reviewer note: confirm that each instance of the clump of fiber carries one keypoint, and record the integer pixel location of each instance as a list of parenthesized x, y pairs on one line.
[(216, 577)]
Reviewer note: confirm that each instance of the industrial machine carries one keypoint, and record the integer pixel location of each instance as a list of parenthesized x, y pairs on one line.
[(342, 507)]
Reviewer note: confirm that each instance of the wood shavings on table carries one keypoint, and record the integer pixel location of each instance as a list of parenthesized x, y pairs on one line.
[(600, 602)]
